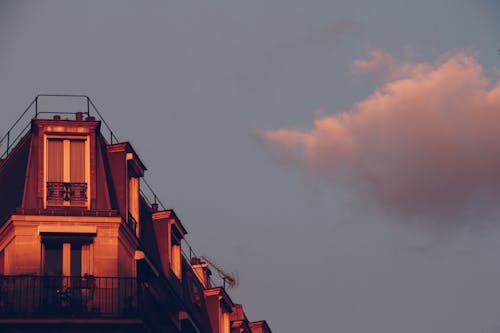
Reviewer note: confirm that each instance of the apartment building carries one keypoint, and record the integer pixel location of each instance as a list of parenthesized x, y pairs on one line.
[(86, 246)]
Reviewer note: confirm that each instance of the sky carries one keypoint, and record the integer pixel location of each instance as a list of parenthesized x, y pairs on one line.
[(340, 156)]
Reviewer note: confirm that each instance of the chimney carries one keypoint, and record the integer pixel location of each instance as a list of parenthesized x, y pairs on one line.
[(79, 116), (56, 117)]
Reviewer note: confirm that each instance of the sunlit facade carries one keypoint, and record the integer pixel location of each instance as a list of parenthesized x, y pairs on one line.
[(85, 248)]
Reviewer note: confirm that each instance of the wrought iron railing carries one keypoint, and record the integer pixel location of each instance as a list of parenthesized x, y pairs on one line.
[(40, 108), (68, 296), (74, 193), (132, 223)]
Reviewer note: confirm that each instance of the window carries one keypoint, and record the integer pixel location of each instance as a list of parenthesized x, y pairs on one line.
[(66, 258), (176, 258), (175, 249), (133, 205), (224, 322), (67, 172), (66, 266), (195, 291)]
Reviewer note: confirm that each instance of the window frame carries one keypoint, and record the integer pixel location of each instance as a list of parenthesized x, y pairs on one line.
[(66, 159), (69, 242), (175, 251)]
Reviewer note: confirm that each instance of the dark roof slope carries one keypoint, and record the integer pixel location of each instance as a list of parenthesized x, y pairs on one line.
[(13, 177)]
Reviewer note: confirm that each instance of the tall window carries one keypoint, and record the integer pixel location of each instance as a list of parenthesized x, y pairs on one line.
[(225, 326), (67, 168), (68, 258), (133, 204), (175, 250), (176, 258)]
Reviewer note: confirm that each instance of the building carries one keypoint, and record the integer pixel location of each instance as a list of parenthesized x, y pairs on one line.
[(84, 245)]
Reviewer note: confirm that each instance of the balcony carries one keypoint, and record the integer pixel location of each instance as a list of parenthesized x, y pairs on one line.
[(72, 194), (63, 296)]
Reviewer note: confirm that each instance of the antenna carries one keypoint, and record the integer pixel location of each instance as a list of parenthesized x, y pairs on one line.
[(232, 279)]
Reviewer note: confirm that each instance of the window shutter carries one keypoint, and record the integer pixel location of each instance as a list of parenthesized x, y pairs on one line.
[(77, 161), (55, 161)]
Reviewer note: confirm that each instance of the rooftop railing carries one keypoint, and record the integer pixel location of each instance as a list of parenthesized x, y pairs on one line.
[(188, 253), (40, 108)]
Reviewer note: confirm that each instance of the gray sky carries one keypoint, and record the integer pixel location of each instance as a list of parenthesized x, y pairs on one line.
[(190, 83)]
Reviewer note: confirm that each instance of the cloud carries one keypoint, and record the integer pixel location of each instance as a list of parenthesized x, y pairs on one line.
[(384, 66), (426, 142)]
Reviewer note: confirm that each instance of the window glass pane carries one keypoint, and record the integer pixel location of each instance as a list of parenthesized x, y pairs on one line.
[(134, 197), (176, 260), (53, 258), (55, 154), (76, 259), (77, 161)]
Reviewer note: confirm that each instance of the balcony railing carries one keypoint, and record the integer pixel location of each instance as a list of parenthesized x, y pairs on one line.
[(132, 223), (73, 193), (56, 296)]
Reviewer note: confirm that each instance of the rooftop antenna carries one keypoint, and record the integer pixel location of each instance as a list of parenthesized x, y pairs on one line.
[(232, 279)]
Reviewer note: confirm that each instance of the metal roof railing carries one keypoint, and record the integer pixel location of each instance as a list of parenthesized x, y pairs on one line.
[(189, 254), (149, 194), (36, 110)]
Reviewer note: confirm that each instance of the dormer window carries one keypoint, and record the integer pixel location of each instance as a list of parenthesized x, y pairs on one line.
[(175, 258), (67, 171), (169, 233), (219, 303)]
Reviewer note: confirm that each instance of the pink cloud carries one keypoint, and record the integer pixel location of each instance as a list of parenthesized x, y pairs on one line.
[(426, 142), (384, 66)]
